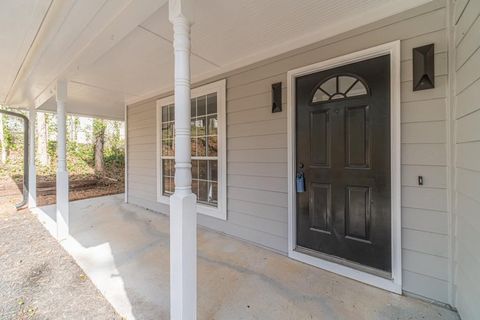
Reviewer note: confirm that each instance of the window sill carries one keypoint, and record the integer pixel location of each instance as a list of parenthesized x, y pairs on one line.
[(210, 211)]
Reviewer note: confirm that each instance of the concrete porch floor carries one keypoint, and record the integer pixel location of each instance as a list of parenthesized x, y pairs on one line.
[(125, 251)]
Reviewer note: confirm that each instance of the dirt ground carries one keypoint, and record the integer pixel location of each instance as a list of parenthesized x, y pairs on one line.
[(98, 190), (81, 187), (38, 279)]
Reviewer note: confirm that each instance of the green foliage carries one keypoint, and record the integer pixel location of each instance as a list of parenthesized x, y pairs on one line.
[(12, 126), (51, 123), (8, 136), (114, 157), (13, 167), (115, 141), (80, 151), (52, 151), (99, 127), (79, 158), (13, 138)]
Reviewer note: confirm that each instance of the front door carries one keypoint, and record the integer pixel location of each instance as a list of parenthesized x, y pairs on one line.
[(343, 153)]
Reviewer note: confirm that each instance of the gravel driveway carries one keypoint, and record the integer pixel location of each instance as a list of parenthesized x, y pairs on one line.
[(38, 279)]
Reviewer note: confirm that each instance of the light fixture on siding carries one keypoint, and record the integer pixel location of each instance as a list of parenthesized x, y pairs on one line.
[(423, 67)]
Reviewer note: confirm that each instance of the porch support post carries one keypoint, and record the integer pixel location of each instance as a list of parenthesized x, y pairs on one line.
[(183, 215), (32, 174), (62, 173)]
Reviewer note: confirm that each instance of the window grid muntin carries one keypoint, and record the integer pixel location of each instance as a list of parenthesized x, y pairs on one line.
[(322, 89)]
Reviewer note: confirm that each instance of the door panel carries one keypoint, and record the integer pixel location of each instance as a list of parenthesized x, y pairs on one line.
[(343, 150), (357, 148), (319, 138), (357, 213), (320, 207)]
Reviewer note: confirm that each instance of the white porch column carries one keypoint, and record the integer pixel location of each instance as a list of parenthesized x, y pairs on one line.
[(32, 174), (62, 173), (183, 215)]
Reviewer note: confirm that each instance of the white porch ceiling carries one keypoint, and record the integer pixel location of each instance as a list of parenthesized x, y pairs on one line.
[(118, 51), (19, 21)]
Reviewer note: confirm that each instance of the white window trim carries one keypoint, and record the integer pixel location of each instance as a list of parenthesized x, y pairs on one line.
[(394, 284), (218, 87)]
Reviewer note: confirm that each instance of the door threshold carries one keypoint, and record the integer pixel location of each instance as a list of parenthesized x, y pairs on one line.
[(345, 262), (342, 269)]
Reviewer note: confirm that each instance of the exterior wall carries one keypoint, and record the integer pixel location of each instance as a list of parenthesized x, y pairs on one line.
[(467, 148), (257, 148)]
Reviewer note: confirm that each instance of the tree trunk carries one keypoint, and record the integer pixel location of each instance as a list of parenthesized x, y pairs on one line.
[(42, 134), (99, 136), (99, 161), (3, 143)]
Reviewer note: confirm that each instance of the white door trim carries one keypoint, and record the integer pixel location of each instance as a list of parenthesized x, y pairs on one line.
[(394, 284)]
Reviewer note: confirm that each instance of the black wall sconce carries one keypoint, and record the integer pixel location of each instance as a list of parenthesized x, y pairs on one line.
[(277, 97), (423, 67)]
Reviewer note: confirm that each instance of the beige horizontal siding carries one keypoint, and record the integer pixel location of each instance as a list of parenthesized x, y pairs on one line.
[(428, 154), (469, 14), (425, 220), (259, 114), (270, 141), (435, 176), (257, 147), (426, 286), (467, 155), (467, 128), (272, 198), (258, 183), (467, 100), (423, 111), (424, 198), (274, 170), (433, 266), (424, 132), (425, 242), (468, 73), (258, 128)]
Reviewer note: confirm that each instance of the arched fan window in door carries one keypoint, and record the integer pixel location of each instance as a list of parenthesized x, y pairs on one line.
[(339, 87)]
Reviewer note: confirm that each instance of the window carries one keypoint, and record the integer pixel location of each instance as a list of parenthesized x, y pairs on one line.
[(208, 147), (339, 87)]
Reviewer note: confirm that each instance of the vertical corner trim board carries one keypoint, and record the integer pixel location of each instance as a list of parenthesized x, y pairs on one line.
[(466, 29)]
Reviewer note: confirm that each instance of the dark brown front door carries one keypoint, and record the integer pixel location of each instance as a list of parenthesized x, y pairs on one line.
[(343, 150)]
